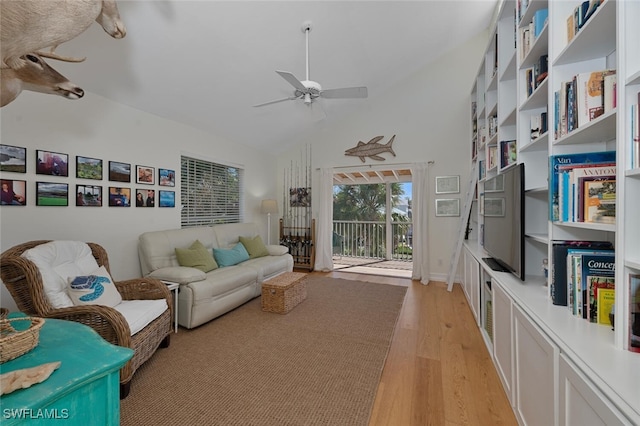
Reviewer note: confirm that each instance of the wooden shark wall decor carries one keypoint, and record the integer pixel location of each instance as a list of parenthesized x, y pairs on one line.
[(371, 149)]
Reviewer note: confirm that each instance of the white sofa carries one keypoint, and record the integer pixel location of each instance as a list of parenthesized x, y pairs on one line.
[(205, 296)]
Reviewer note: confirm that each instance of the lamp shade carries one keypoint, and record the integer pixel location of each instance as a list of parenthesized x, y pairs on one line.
[(269, 206)]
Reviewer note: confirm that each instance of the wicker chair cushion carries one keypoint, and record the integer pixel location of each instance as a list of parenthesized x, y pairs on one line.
[(96, 288), (139, 313), (58, 260)]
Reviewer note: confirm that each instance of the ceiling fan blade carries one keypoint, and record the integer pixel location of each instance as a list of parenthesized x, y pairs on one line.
[(290, 98), (345, 92), (292, 80)]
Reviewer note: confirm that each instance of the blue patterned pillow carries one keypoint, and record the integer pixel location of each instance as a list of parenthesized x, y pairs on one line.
[(229, 257)]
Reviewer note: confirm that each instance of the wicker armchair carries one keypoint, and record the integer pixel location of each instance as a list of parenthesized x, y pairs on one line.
[(23, 280)]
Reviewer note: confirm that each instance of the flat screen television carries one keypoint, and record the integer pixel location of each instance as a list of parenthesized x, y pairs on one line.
[(504, 221)]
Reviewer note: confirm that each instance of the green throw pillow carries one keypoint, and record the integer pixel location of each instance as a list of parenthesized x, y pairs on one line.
[(196, 256), (254, 246), (230, 257)]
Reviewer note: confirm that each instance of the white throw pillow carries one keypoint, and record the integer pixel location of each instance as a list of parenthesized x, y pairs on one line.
[(96, 288), (58, 260)]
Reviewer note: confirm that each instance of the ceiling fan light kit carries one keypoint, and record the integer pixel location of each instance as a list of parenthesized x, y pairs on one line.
[(308, 90)]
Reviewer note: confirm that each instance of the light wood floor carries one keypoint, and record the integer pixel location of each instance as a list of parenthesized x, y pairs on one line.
[(438, 371)]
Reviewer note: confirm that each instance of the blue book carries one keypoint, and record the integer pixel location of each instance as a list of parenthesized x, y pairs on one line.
[(555, 161), (539, 19)]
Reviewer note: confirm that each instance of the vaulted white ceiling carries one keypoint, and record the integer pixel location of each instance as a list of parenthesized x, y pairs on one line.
[(205, 63)]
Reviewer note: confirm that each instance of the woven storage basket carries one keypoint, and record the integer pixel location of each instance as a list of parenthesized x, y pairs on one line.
[(14, 343), (284, 292)]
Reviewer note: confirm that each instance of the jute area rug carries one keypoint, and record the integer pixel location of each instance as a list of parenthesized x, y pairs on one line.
[(320, 364)]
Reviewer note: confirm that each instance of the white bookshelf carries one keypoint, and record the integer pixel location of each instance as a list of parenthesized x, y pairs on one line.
[(586, 369)]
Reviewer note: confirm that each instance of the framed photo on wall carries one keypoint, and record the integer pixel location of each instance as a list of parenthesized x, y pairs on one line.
[(145, 175), (52, 163), (447, 184), (52, 194), (14, 192), (88, 196), (13, 159), (145, 197), (119, 172), (448, 207), (88, 168), (119, 197), (167, 198), (166, 177)]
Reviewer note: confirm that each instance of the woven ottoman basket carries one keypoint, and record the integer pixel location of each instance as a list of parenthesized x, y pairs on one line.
[(284, 292)]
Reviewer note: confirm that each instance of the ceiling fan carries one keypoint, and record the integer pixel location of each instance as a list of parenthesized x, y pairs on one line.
[(309, 91)]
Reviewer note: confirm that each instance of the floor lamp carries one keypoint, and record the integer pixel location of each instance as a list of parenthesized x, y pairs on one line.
[(268, 207)]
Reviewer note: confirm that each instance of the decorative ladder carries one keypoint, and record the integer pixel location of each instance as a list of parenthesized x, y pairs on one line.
[(462, 224)]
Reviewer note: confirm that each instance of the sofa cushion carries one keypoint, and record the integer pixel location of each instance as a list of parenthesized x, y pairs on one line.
[(232, 256), (58, 260), (178, 274), (139, 313), (196, 256), (277, 250), (96, 288), (255, 247), (223, 282)]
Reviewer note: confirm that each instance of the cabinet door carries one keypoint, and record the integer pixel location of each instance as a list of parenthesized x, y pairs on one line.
[(474, 290), (536, 361), (580, 403), (503, 338)]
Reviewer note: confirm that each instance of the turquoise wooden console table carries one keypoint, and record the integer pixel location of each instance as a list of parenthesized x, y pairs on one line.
[(84, 390)]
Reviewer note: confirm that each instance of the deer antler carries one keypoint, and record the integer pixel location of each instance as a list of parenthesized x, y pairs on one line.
[(52, 55)]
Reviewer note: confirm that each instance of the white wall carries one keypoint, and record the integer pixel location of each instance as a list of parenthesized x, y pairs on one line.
[(430, 114), (98, 128)]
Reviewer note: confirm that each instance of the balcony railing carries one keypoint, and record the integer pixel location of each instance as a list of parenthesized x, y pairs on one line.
[(373, 240)]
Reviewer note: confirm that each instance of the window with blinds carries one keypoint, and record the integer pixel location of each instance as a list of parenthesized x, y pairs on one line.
[(211, 193)]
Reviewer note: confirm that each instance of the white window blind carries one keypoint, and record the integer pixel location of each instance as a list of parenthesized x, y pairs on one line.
[(211, 193)]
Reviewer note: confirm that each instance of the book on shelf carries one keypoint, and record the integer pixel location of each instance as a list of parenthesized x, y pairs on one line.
[(606, 303), (540, 17), (536, 126), (508, 153), (598, 272), (590, 95), (571, 188), (571, 28), (610, 95), (634, 312), (571, 161), (600, 201), (558, 284), (579, 200), (492, 157)]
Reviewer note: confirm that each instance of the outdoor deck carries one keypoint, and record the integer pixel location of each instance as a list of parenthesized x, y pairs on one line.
[(389, 268)]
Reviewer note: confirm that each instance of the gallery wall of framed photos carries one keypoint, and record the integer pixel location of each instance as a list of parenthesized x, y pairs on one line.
[(124, 184)]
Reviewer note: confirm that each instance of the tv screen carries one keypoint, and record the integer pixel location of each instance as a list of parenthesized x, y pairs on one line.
[(504, 221)]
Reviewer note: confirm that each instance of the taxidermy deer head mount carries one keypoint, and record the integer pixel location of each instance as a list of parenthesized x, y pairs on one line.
[(28, 26), (36, 75)]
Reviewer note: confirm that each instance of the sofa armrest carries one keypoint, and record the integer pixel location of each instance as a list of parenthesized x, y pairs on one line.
[(178, 274), (275, 250)]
